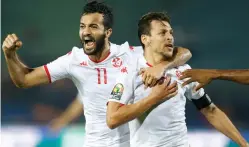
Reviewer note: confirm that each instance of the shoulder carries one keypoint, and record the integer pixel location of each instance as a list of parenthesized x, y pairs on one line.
[(126, 48), (77, 54), (184, 67), (73, 56), (177, 71)]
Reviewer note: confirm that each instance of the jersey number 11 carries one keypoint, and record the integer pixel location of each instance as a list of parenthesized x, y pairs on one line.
[(102, 70)]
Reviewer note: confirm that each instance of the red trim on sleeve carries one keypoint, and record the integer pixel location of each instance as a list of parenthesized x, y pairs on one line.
[(117, 102), (69, 53), (149, 64), (47, 72)]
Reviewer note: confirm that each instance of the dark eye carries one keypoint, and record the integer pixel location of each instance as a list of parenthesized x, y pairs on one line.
[(162, 33), (94, 26), (82, 26)]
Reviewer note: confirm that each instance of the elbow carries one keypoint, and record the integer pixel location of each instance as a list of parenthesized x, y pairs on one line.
[(112, 123), (185, 53), (21, 84), (111, 126), (211, 111), (188, 54)]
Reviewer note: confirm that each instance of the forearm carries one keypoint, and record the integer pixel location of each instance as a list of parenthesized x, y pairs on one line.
[(16, 69), (181, 56), (240, 76), (222, 123), (127, 113)]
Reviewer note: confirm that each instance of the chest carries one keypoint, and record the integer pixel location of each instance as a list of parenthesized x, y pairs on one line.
[(140, 92), (98, 79)]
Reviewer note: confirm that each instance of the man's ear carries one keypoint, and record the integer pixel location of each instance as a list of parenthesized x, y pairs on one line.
[(108, 33), (145, 39)]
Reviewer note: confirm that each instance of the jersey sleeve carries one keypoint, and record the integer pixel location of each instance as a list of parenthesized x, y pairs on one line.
[(59, 68), (190, 93), (199, 98), (123, 89), (138, 50), (132, 50), (79, 97)]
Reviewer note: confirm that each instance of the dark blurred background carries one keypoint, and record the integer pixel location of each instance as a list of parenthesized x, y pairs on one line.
[(216, 32)]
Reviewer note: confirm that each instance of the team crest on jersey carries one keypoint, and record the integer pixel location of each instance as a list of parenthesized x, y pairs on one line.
[(117, 91), (117, 62)]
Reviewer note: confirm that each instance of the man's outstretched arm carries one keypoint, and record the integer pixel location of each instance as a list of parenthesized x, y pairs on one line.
[(205, 76), (222, 123), (20, 74)]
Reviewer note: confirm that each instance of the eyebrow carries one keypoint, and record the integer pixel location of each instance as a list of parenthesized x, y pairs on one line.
[(171, 30), (89, 24)]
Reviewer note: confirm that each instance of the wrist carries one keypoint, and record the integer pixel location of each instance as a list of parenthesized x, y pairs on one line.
[(152, 100), (9, 54)]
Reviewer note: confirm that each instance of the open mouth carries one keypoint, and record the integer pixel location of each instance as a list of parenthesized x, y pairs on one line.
[(170, 45), (89, 42)]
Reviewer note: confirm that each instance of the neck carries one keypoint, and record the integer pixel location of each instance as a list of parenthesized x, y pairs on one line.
[(101, 55), (153, 58)]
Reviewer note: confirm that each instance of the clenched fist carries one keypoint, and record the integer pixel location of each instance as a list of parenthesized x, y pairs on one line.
[(11, 44)]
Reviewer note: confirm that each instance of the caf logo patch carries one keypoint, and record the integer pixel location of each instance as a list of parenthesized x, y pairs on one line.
[(117, 91)]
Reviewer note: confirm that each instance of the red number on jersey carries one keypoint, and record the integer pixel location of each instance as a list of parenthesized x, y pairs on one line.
[(102, 70)]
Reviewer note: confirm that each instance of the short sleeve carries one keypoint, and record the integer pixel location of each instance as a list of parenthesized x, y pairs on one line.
[(132, 50), (123, 89), (59, 68), (190, 93), (138, 50), (79, 97)]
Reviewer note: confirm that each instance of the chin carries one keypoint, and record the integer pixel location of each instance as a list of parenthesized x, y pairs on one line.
[(91, 52), (168, 55)]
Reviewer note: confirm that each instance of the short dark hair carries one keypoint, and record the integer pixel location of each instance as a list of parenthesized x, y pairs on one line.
[(144, 26), (100, 7)]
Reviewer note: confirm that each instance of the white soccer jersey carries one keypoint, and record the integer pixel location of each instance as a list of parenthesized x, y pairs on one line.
[(164, 125), (94, 82)]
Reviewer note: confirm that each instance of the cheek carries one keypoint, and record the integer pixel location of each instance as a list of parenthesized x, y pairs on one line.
[(96, 36), (80, 34), (160, 42), (96, 33)]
